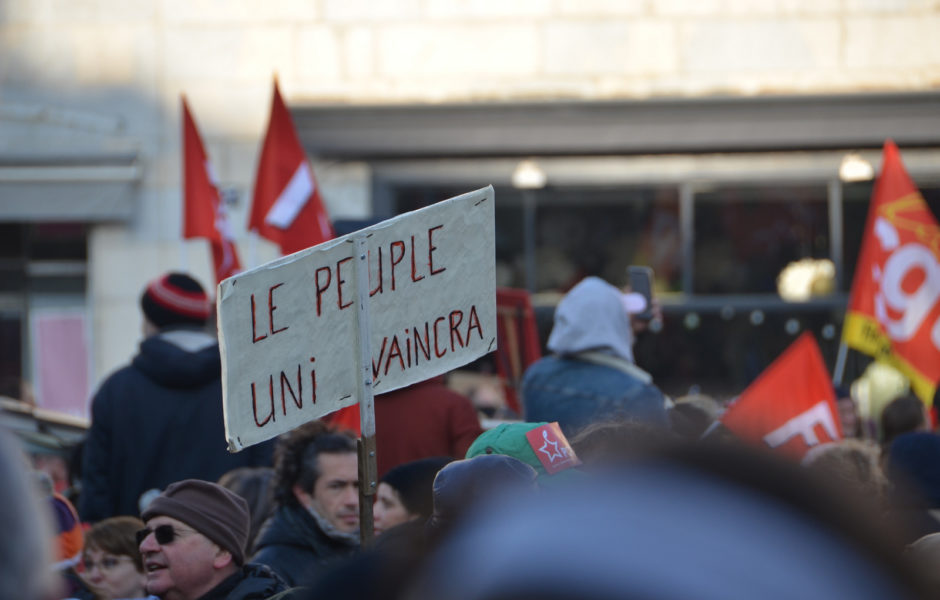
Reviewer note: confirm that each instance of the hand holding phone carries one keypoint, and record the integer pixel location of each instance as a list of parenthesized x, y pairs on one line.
[(641, 282)]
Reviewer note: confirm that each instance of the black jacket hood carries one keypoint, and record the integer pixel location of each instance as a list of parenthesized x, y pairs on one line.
[(180, 358)]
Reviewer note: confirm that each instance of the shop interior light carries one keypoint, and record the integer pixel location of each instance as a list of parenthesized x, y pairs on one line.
[(528, 176), (805, 279), (855, 168)]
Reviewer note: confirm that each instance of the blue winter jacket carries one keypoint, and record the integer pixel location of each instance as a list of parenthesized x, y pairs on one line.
[(591, 377), (576, 393)]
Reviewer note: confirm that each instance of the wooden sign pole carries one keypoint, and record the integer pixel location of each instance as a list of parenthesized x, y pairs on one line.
[(368, 479)]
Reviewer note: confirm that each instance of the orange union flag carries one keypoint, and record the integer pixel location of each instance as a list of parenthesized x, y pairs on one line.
[(791, 406), (894, 313)]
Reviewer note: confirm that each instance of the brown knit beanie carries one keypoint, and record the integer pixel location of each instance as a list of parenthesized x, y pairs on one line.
[(210, 509), (175, 299)]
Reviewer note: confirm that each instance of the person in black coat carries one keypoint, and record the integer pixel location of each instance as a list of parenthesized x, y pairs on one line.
[(193, 546), (159, 419), (316, 522)]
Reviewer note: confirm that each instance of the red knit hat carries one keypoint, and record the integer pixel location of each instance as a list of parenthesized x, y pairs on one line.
[(175, 299)]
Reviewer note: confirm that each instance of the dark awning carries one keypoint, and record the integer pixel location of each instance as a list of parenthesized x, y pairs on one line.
[(655, 126)]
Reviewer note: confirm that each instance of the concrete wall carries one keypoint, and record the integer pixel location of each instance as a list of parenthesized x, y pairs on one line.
[(128, 61)]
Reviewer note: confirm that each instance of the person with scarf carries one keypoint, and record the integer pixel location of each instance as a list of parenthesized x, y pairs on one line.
[(316, 481)]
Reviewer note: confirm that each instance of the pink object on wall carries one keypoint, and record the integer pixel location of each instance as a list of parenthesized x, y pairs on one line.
[(60, 352)]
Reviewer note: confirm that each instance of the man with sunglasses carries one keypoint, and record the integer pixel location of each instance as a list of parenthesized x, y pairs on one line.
[(193, 546)]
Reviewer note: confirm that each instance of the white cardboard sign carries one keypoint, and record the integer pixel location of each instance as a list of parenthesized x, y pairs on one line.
[(289, 329)]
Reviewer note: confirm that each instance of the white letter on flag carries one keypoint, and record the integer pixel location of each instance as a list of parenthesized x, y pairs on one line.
[(292, 200), (803, 425)]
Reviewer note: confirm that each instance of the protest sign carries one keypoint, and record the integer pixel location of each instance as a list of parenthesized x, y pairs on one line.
[(289, 330)]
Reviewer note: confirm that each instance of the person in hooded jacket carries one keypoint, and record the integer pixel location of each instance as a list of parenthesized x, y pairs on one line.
[(590, 375), (159, 419), (316, 488)]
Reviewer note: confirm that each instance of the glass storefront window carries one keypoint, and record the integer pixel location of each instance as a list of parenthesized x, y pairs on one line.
[(855, 200), (744, 236), (720, 353), (601, 232), (579, 232)]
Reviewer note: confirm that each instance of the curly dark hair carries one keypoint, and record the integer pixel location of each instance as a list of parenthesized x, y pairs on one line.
[(296, 453)]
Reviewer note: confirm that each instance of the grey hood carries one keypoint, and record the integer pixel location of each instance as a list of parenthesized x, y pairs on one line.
[(592, 317)]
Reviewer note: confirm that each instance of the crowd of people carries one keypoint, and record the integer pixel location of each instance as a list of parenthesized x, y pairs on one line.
[(608, 489)]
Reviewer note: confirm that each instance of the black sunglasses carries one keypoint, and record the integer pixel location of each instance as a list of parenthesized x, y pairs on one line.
[(164, 534)]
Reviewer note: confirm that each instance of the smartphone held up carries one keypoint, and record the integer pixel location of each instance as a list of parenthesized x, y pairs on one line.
[(640, 280)]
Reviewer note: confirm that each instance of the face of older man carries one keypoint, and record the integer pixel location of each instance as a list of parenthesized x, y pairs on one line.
[(186, 567)]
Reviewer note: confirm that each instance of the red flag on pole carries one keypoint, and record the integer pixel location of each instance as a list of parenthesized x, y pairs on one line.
[(287, 207), (893, 312), (791, 406), (518, 341), (204, 214)]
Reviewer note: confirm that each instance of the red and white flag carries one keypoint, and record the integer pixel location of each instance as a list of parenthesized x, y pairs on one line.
[(791, 406), (204, 213), (894, 307), (552, 448), (287, 207)]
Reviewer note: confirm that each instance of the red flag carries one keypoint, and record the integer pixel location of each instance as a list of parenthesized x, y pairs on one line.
[(204, 214), (345, 418), (791, 406), (518, 341), (894, 313), (287, 208)]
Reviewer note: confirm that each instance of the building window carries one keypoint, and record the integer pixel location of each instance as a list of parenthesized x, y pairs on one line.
[(745, 236), (579, 231), (716, 247), (42, 314)]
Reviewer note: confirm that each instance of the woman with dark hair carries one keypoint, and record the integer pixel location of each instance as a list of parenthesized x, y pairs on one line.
[(404, 493), (113, 566)]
